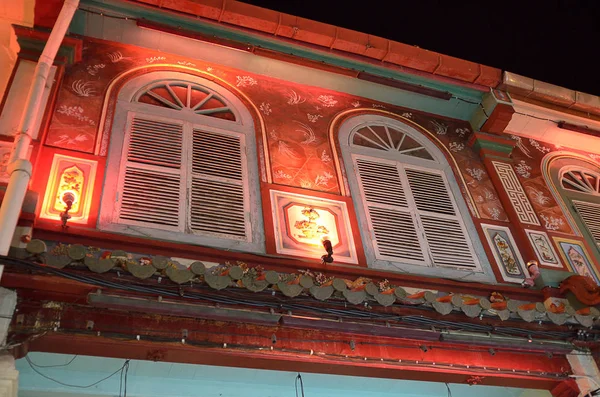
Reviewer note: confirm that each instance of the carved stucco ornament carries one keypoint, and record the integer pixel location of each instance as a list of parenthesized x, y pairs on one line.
[(254, 285), (321, 293), (141, 271), (290, 290), (216, 281), (442, 307), (355, 297), (180, 276), (387, 299)]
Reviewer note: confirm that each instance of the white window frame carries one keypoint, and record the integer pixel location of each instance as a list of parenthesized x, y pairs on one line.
[(243, 127), (483, 273), (572, 195)]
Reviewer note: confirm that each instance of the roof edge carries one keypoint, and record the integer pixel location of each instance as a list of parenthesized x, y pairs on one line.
[(530, 89)]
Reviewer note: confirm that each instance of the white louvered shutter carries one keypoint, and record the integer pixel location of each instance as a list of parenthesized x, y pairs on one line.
[(446, 236), (151, 180), (219, 204), (391, 223), (590, 215)]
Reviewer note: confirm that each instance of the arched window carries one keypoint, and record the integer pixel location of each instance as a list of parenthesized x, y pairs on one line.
[(581, 186), (182, 164), (410, 208)]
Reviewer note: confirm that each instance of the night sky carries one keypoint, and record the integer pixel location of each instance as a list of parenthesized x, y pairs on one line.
[(554, 41)]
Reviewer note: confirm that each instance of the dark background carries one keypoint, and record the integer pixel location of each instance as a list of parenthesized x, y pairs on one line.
[(553, 41)]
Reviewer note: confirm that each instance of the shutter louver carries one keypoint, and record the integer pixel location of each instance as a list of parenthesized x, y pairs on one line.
[(392, 224), (445, 234), (152, 181), (218, 199), (590, 215)]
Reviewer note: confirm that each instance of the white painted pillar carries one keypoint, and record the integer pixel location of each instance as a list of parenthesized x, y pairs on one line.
[(585, 372), (9, 376)]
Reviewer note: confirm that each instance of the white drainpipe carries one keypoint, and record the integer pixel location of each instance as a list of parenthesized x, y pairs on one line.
[(19, 166)]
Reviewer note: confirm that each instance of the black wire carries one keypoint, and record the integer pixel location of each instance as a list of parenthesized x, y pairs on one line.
[(121, 383), (347, 312), (54, 366), (449, 391), (69, 385), (126, 372), (299, 378)]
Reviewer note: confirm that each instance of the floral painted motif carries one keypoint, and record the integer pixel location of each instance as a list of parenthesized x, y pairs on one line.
[(355, 104), (538, 146), (539, 197), (313, 118), (495, 213), (76, 112), (327, 101), (376, 106), (309, 134), (185, 63), (155, 59), (265, 107), (552, 223), (407, 115), (294, 99), (325, 157), (245, 81), (523, 169), (82, 88), (461, 132), (117, 56), (456, 146), (476, 173), (93, 69), (67, 140), (507, 255), (279, 174), (522, 146), (439, 128)]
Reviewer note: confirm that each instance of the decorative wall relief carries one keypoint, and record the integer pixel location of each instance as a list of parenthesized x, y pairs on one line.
[(577, 258), (543, 248), (302, 222), (296, 119), (516, 194), (503, 247), (74, 177)]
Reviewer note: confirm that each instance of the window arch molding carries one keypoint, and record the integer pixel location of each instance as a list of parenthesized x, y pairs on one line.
[(195, 138), (566, 173), (436, 164)]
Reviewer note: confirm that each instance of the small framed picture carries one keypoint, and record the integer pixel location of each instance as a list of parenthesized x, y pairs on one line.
[(576, 257), (503, 246), (543, 248)]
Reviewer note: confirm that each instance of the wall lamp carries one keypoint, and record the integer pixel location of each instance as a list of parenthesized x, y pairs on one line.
[(327, 258)]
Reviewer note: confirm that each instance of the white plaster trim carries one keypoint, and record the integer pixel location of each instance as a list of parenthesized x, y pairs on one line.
[(537, 122)]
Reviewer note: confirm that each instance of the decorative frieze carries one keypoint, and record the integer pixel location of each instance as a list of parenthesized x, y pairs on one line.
[(516, 193)]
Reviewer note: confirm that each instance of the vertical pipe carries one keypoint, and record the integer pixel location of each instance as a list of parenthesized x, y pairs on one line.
[(19, 166)]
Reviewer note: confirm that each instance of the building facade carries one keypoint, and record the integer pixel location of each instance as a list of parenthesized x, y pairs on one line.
[(228, 185)]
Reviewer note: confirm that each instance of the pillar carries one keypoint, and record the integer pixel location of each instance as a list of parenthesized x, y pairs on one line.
[(9, 376), (585, 371)]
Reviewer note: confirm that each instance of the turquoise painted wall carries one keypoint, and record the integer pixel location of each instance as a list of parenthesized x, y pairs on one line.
[(154, 379)]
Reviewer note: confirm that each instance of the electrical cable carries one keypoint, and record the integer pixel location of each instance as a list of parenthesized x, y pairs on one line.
[(346, 313), (299, 378), (69, 385), (449, 391), (55, 366)]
